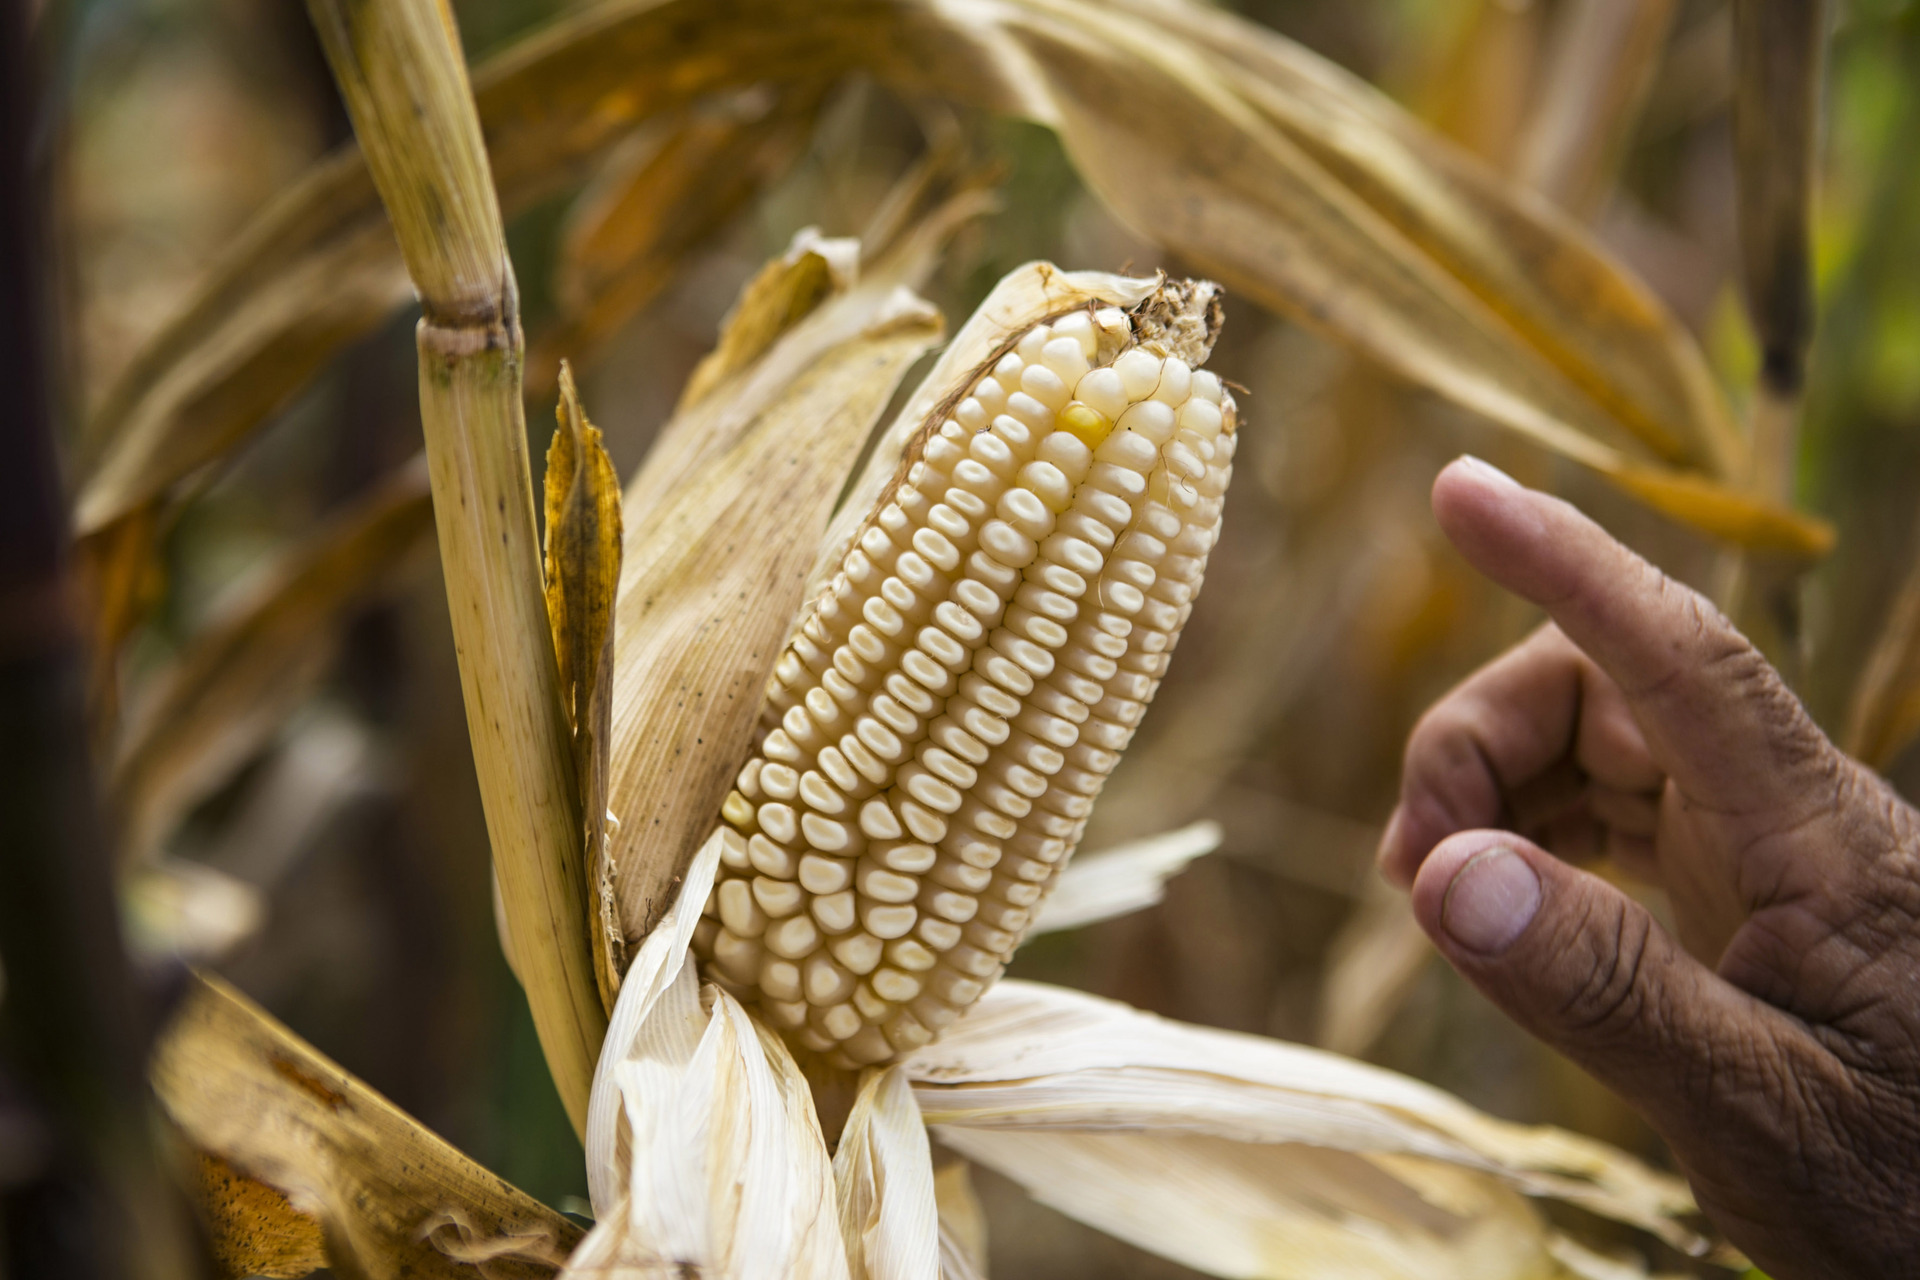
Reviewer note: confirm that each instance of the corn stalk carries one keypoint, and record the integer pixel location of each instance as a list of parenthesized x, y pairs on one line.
[(400, 70)]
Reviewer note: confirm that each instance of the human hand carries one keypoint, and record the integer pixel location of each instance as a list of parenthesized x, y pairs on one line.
[(1782, 1065)]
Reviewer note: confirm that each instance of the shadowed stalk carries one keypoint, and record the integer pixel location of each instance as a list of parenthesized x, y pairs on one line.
[(1779, 53), (401, 73), (95, 1199)]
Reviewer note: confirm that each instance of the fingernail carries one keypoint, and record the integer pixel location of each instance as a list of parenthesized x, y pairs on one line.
[(1491, 901), (1486, 469)]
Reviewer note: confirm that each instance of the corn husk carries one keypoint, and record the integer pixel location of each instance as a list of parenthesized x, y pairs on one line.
[(1031, 1061), (1123, 879), (889, 1217), (713, 571), (703, 1147)]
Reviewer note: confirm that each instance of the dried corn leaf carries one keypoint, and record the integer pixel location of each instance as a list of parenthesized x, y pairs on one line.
[(237, 680), (299, 1148), (1538, 270), (583, 572), (1034, 1058), (705, 1156), (661, 194), (715, 566), (1297, 186), (1143, 112), (1126, 878), (884, 1168)]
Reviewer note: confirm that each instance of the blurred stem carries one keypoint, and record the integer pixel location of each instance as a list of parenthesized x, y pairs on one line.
[(400, 70), (101, 1203), (1603, 57), (1779, 52)]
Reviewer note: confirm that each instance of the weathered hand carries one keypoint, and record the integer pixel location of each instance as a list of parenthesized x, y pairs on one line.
[(1782, 1064)]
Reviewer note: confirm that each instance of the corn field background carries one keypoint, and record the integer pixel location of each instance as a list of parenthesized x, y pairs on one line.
[(278, 719)]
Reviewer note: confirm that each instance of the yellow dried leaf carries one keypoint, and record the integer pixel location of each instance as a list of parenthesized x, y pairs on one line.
[(297, 1148), (583, 573)]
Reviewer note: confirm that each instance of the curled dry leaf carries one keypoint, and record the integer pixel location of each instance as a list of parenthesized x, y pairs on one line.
[(889, 1219), (236, 681), (1126, 878), (303, 1165), (582, 573), (714, 570), (1032, 1059)]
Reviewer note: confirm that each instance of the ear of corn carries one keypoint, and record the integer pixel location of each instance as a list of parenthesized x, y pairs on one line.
[(938, 728)]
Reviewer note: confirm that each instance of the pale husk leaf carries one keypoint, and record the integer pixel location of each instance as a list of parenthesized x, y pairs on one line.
[(1125, 878), (1032, 1057), (889, 1217), (704, 1151), (308, 1166), (714, 570), (963, 1223), (1274, 1212)]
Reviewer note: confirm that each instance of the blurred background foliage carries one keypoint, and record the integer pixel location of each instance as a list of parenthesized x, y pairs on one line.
[(357, 902)]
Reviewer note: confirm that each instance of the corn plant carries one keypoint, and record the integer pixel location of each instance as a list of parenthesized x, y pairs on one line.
[(786, 747)]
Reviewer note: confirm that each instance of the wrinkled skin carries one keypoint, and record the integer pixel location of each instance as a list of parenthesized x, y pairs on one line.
[(1775, 1043)]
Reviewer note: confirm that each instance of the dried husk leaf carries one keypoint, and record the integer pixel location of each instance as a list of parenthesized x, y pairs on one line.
[(404, 81), (963, 1223), (1123, 879), (1031, 1058), (889, 1218), (236, 681), (714, 567), (297, 1148), (1274, 1212), (582, 572), (704, 1151)]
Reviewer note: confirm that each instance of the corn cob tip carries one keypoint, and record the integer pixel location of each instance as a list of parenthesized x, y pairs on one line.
[(938, 728)]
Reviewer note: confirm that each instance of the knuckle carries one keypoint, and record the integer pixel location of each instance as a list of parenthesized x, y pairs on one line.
[(1610, 946)]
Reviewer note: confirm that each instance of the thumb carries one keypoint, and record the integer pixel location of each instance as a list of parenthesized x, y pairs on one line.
[(1586, 969)]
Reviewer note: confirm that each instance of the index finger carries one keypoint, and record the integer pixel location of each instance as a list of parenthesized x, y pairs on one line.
[(1716, 715)]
